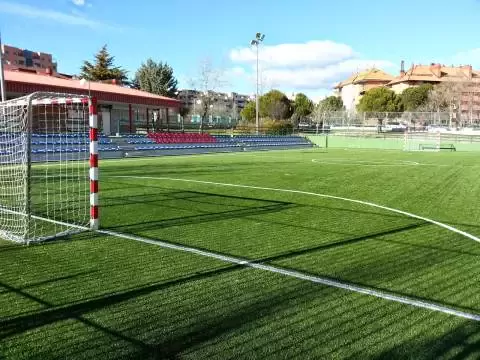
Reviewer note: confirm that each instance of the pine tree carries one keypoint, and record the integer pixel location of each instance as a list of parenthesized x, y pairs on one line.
[(156, 78), (103, 69)]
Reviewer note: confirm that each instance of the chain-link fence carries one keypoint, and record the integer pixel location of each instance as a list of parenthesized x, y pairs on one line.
[(367, 122)]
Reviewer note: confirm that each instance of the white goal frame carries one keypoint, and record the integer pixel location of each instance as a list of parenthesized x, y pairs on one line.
[(62, 180), (422, 141)]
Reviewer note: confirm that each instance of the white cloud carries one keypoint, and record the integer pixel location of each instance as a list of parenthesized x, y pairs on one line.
[(78, 2), (313, 65), (320, 77), (469, 57), (316, 53), (52, 15), (236, 71)]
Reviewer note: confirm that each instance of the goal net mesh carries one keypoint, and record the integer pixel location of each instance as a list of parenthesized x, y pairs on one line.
[(44, 167)]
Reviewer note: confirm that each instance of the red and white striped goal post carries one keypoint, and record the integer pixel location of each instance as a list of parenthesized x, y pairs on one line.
[(54, 99), (93, 135)]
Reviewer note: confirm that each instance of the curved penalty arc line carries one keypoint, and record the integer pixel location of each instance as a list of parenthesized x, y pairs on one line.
[(429, 305), (326, 196)]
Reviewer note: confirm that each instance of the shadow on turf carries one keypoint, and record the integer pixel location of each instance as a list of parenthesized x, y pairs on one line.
[(171, 345), (342, 242), (15, 325), (188, 169), (48, 281), (345, 242), (157, 188), (187, 195), (210, 199), (463, 339), (463, 342)]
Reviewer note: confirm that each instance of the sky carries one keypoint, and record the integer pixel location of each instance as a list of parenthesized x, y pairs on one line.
[(309, 45)]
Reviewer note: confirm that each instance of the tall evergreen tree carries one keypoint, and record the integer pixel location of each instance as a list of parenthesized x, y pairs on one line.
[(103, 68), (156, 78), (303, 106), (380, 99), (331, 103), (275, 105)]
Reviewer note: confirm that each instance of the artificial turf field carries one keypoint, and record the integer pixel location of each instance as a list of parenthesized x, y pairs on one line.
[(95, 296)]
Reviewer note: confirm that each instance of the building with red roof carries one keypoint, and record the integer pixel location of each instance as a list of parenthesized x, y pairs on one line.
[(121, 109)]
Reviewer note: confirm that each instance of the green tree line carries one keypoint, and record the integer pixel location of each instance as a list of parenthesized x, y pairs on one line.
[(158, 78)]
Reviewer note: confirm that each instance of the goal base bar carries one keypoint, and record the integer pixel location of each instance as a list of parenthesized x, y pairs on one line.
[(74, 229)]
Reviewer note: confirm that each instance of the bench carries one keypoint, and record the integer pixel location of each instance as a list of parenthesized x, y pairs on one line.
[(450, 147)]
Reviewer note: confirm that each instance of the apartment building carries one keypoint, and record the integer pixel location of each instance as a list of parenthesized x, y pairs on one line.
[(27, 59), (228, 104), (352, 89), (463, 82)]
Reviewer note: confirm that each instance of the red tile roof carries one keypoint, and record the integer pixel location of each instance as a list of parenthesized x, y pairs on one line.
[(437, 73), (369, 75), (26, 82)]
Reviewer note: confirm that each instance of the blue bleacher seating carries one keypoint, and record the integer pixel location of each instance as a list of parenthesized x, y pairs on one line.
[(69, 143)]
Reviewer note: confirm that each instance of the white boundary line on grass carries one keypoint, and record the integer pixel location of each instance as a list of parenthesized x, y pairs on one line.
[(350, 162), (301, 276), (278, 270), (296, 274), (361, 202)]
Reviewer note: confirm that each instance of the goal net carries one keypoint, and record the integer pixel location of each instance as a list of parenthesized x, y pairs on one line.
[(421, 141), (48, 166)]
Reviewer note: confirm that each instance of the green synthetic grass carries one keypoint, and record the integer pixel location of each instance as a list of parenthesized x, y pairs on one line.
[(396, 141), (105, 297)]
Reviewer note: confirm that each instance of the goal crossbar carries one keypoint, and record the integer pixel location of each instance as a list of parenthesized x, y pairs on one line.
[(422, 141)]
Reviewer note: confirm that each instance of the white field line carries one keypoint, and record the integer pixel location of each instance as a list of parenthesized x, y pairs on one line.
[(295, 274), (277, 270), (19, 239), (349, 162), (367, 203), (366, 162), (298, 275)]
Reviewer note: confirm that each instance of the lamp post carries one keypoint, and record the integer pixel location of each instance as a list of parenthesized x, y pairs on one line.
[(3, 90), (255, 42)]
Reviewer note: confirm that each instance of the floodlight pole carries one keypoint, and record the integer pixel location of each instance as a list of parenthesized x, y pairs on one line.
[(256, 42), (3, 96), (257, 120)]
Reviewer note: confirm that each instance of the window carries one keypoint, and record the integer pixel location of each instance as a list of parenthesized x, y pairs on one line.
[(21, 62), (37, 65)]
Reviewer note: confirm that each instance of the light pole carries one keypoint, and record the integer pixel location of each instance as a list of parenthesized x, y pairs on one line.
[(3, 90), (255, 42)]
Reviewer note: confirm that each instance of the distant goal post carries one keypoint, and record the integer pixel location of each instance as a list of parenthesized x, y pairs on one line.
[(48, 166), (414, 141)]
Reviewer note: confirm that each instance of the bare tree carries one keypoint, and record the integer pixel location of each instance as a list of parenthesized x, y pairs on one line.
[(208, 81), (447, 97)]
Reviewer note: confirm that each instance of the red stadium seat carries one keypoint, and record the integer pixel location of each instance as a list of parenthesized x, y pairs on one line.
[(180, 138)]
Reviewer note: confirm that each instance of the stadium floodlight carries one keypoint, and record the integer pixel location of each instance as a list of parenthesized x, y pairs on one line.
[(256, 42), (48, 166)]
